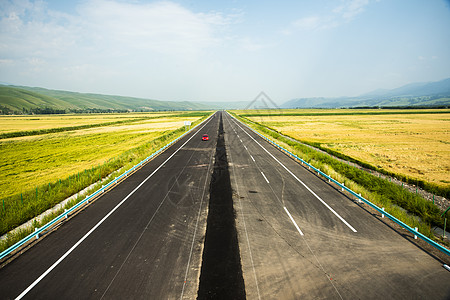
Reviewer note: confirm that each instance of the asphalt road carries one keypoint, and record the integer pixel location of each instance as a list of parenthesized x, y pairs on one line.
[(149, 247), (298, 236)]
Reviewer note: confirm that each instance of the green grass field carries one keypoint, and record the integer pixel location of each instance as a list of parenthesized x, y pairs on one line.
[(39, 171)]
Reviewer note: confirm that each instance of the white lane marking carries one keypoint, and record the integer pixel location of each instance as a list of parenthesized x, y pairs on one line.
[(306, 242), (101, 221), (245, 147), (293, 221), (196, 226), (146, 227), (311, 191), (264, 177), (245, 225), (252, 157)]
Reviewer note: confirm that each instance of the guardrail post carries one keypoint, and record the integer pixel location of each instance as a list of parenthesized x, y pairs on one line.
[(415, 236), (382, 211), (359, 198), (343, 184), (37, 234), (445, 225), (65, 211)]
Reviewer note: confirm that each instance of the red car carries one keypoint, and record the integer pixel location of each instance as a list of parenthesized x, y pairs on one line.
[(205, 137)]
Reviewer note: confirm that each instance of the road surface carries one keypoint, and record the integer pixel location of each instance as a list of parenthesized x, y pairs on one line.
[(148, 248), (298, 237)]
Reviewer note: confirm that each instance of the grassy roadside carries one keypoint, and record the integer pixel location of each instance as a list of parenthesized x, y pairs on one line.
[(411, 146), (404, 205), (19, 208), (425, 185)]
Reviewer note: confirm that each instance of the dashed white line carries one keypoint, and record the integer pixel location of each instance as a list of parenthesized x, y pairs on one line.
[(245, 228), (301, 182), (293, 221), (252, 157), (264, 177)]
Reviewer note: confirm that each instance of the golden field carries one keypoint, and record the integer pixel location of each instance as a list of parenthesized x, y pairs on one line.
[(15, 123), (30, 161), (413, 144)]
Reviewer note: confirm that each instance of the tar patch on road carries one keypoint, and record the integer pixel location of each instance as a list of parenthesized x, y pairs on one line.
[(221, 272)]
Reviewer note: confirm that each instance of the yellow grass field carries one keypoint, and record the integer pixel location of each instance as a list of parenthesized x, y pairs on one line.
[(30, 161), (38, 122), (415, 145)]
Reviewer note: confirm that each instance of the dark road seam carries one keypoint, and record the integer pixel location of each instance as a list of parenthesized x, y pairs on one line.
[(221, 271)]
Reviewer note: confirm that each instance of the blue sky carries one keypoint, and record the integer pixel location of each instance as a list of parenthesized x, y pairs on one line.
[(224, 50)]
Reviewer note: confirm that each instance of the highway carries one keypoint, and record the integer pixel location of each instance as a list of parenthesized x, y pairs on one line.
[(149, 247), (298, 237)]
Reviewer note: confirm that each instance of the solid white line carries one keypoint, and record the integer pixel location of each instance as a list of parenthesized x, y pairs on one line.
[(264, 177), (306, 242), (293, 221), (252, 157), (100, 222), (196, 226), (289, 171)]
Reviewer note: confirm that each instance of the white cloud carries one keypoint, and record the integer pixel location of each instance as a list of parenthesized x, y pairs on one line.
[(308, 23), (351, 8), (170, 51), (105, 41), (101, 27), (345, 12), (162, 26), (5, 62), (250, 44)]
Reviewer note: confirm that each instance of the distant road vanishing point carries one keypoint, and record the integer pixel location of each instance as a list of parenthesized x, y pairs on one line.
[(297, 236)]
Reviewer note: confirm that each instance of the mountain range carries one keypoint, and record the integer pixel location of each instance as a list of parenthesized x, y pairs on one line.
[(425, 94), (22, 99)]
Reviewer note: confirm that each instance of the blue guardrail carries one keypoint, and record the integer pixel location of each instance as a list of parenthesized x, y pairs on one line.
[(64, 215), (358, 196)]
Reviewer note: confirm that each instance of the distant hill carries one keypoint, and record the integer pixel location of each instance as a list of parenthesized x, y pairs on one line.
[(414, 95), (21, 99)]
